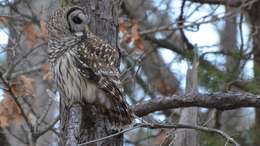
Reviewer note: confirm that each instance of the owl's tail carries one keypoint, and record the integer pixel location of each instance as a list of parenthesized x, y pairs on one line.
[(119, 112), (120, 115)]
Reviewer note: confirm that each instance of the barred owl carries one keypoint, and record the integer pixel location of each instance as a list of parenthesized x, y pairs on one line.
[(84, 66)]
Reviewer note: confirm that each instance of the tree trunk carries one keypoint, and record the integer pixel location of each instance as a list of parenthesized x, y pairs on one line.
[(83, 123), (228, 45), (254, 18), (3, 138), (184, 137)]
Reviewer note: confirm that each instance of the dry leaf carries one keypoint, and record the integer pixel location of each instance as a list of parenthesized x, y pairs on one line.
[(28, 85), (135, 30), (136, 37), (30, 33), (43, 28), (9, 111), (46, 72), (123, 29), (139, 44), (4, 19), (4, 121), (23, 87), (16, 89), (122, 26), (127, 38)]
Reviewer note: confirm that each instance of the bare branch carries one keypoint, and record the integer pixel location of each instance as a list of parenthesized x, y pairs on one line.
[(26, 71), (170, 126), (15, 136), (232, 3), (112, 135), (48, 127), (9, 71), (44, 114), (27, 121), (218, 100)]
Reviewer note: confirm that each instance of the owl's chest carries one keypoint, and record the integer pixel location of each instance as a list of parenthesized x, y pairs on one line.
[(70, 81)]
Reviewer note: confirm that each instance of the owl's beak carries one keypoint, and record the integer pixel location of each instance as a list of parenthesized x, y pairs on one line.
[(86, 28), (79, 34)]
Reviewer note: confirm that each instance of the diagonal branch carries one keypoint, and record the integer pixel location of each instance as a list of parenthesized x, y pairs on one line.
[(218, 100), (233, 3), (14, 97), (48, 127)]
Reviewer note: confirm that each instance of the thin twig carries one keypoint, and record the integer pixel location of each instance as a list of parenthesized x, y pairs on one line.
[(26, 71), (48, 127), (45, 112), (15, 136), (9, 71), (10, 90), (112, 135), (175, 126)]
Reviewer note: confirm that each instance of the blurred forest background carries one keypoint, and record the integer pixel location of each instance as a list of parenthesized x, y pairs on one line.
[(169, 48)]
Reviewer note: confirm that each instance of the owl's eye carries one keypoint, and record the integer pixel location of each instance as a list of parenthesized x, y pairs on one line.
[(77, 20)]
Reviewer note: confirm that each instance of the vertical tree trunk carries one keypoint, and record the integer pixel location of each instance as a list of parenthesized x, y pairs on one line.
[(3, 138), (80, 123), (230, 46), (254, 17), (189, 116)]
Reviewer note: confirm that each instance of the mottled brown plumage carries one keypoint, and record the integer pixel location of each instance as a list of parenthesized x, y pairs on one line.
[(84, 66)]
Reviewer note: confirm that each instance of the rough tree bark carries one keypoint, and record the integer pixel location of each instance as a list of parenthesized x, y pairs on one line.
[(3, 138), (215, 100), (82, 123)]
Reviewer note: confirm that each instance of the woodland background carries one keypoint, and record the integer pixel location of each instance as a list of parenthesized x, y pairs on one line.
[(192, 62)]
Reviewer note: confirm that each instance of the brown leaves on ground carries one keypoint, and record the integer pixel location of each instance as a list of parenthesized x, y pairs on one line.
[(131, 33), (9, 111)]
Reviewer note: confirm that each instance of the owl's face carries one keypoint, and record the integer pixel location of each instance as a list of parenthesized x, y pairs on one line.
[(68, 22), (77, 21)]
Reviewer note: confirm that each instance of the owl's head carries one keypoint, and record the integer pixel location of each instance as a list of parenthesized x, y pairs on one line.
[(68, 21)]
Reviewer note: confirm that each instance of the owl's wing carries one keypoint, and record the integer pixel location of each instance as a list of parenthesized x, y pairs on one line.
[(97, 62)]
